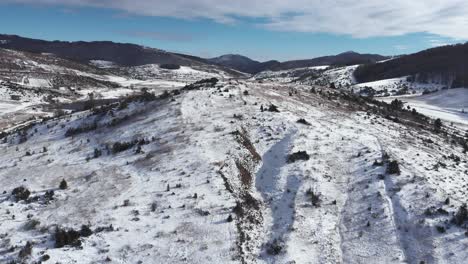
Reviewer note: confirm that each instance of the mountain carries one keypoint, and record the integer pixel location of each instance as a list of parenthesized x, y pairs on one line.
[(343, 59), (123, 54), (237, 172), (447, 65), (104, 163), (238, 62), (248, 65)]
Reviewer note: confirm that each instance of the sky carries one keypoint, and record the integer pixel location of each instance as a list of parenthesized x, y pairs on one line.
[(260, 29)]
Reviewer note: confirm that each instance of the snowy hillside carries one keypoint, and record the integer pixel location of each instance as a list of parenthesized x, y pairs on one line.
[(235, 172), (31, 84), (450, 105)]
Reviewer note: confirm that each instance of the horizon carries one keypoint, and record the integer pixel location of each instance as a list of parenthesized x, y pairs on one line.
[(282, 33)]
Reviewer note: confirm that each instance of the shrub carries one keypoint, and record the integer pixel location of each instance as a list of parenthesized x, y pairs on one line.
[(66, 238), (119, 147), (80, 129), (314, 197), (25, 251), (63, 185), (273, 108), (440, 229), (85, 231), (20, 193), (303, 121), (274, 248), (393, 167), (461, 216), (31, 224), (229, 219), (97, 153), (437, 125), (300, 155)]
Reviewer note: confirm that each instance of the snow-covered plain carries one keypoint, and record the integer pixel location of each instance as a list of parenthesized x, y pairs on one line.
[(212, 155)]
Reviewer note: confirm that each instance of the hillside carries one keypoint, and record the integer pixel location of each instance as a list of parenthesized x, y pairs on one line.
[(235, 172), (122, 54), (34, 85), (445, 65), (247, 65)]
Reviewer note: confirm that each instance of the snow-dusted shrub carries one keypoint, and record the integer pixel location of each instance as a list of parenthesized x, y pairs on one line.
[(300, 155), (275, 247), (97, 153), (31, 224), (229, 219), (303, 121), (440, 229), (81, 129), (63, 184), (461, 216), (85, 231), (273, 108), (122, 146), (314, 197), (20, 193), (66, 238), (25, 251), (393, 167), (437, 125)]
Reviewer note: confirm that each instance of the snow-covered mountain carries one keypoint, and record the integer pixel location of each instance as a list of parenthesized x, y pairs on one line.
[(198, 164), (245, 64)]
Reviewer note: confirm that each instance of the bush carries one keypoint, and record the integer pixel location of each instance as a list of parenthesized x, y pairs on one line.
[(122, 146), (81, 129), (437, 125), (393, 167), (461, 216), (303, 121), (274, 248), (66, 238), (85, 231), (229, 219), (25, 251), (300, 155), (63, 184), (97, 153), (314, 197), (440, 229), (20, 193), (273, 108), (31, 224)]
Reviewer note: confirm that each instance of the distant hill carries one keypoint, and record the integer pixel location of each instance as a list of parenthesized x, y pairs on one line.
[(248, 65), (123, 54), (447, 65)]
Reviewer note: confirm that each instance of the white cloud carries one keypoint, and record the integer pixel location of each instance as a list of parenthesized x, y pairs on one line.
[(360, 19)]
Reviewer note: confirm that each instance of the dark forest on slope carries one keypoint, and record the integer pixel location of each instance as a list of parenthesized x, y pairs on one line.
[(447, 65)]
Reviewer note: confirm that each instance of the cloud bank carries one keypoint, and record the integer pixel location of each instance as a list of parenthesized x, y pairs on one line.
[(360, 19)]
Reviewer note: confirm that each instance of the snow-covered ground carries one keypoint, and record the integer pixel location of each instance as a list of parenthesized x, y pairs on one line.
[(450, 105), (393, 86), (211, 156)]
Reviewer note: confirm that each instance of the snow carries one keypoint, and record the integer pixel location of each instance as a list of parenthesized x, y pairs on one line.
[(222, 156), (392, 86), (103, 64), (450, 105)]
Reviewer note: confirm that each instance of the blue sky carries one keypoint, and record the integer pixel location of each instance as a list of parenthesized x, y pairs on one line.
[(278, 35)]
